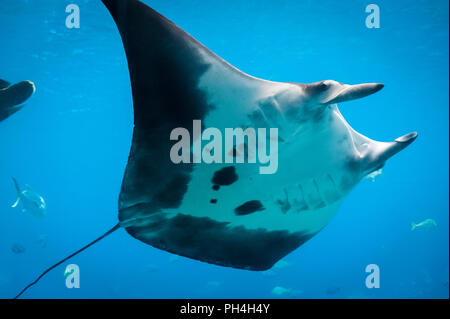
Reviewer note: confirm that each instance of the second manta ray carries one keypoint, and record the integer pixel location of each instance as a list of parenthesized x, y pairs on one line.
[(12, 97), (229, 214)]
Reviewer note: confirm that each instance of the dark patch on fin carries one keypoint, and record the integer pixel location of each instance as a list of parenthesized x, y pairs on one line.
[(165, 67), (208, 240), (249, 208), (226, 176)]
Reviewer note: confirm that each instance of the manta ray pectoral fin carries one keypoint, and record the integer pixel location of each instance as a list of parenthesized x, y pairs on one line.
[(5, 113), (347, 92), (380, 152), (4, 84), (16, 94)]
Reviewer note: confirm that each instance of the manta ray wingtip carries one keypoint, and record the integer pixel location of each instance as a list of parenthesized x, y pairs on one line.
[(407, 138), (378, 87)]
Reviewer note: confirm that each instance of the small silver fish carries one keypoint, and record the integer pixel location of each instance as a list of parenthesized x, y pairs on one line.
[(31, 201), (426, 224), (280, 291)]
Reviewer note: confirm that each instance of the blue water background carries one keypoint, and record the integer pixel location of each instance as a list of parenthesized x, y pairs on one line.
[(71, 143)]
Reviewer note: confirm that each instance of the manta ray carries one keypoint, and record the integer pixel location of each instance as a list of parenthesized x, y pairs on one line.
[(221, 213), (12, 97)]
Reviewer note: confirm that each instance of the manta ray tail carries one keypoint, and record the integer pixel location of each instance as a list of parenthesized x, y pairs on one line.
[(16, 184), (67, 258)]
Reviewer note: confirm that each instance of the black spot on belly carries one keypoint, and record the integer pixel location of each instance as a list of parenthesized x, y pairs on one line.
[(216, 187), (249, 207), (225, 176), (213, 201)]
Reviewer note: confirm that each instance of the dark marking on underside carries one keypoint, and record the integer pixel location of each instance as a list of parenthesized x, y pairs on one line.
[(224, 177), (284, 204), (249, 208), (208, 240), (12, 97), (165, 68)]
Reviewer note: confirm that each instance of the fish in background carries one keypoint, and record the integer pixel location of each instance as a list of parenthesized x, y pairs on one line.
[(42, 240), (286, 292), (280, 265), (372, 176), (333, 291), (17, 248), (279, 291), (32, 202), (13, 96), (151, 268), (427, 224)]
